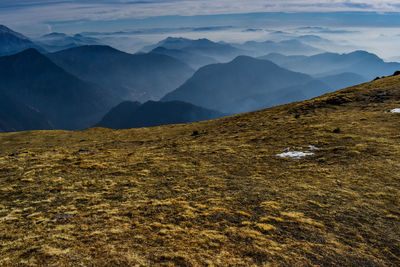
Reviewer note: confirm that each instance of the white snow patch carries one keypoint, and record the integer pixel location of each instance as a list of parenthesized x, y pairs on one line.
[(295, 154), (311, 147), (396, 110)]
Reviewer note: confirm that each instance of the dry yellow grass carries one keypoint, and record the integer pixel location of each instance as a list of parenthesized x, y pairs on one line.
[(160, 196)]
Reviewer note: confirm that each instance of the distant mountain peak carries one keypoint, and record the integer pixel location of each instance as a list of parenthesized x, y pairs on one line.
[(5, 30), (36, 59), (245, 60), (67, 101), (140, 77), (245, 84), (94, 48), (175, 39), (12, 42), (54, 34), (57, 41), (362, 53), (30, 51)]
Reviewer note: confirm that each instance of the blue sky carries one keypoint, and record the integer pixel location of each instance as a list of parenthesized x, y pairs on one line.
[(40, 16)]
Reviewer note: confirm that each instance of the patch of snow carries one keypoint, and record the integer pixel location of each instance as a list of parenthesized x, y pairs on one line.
[(396, 110), (294, 154), (311, 148)]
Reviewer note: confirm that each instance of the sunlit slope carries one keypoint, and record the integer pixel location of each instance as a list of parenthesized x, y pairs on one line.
[(212, 192)]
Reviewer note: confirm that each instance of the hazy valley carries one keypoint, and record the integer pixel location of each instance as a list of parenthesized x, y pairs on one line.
[(78, 80)]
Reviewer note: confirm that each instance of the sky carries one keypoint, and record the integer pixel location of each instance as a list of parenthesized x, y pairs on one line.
[(44, 14), (131, 24)]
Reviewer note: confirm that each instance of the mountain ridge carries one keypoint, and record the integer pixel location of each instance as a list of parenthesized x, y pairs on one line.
[(223, 86), (203, 47), (137, 77), (16, 116), (135, 115), (68, 102), (12, 42), (360, 62), (56, 41)]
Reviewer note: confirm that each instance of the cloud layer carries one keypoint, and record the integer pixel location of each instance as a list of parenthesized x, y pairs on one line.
[(59, 10), (28, 14)]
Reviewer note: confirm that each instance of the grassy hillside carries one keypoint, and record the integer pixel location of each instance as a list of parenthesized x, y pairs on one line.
[(212, 193)]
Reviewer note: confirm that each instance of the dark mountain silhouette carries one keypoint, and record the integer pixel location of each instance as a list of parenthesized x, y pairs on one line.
[(228, 87), (287, 47), (16, 116), (192, 59), (68, 102), (133, 115), (12, 42), (55, 41), (360, 62), (204, 47), (131, 77)]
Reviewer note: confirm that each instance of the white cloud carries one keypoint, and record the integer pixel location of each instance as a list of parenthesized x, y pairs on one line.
[(29, 14), (58, 10)]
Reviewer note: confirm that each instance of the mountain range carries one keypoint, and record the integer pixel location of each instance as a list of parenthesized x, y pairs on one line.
[(365, 64), (194, 60), (130, 114), (67, 102), (138, 77), (246, 84), (12, 42), (55, 41), (77, 87), (203, 47), (287, 47), (16, 116)]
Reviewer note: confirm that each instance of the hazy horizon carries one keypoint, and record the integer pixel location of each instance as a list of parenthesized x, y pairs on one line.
[(129, 25)]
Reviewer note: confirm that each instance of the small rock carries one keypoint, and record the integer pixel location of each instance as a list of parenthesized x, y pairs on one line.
[(195, 133), (85, 151), (63, 216)]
